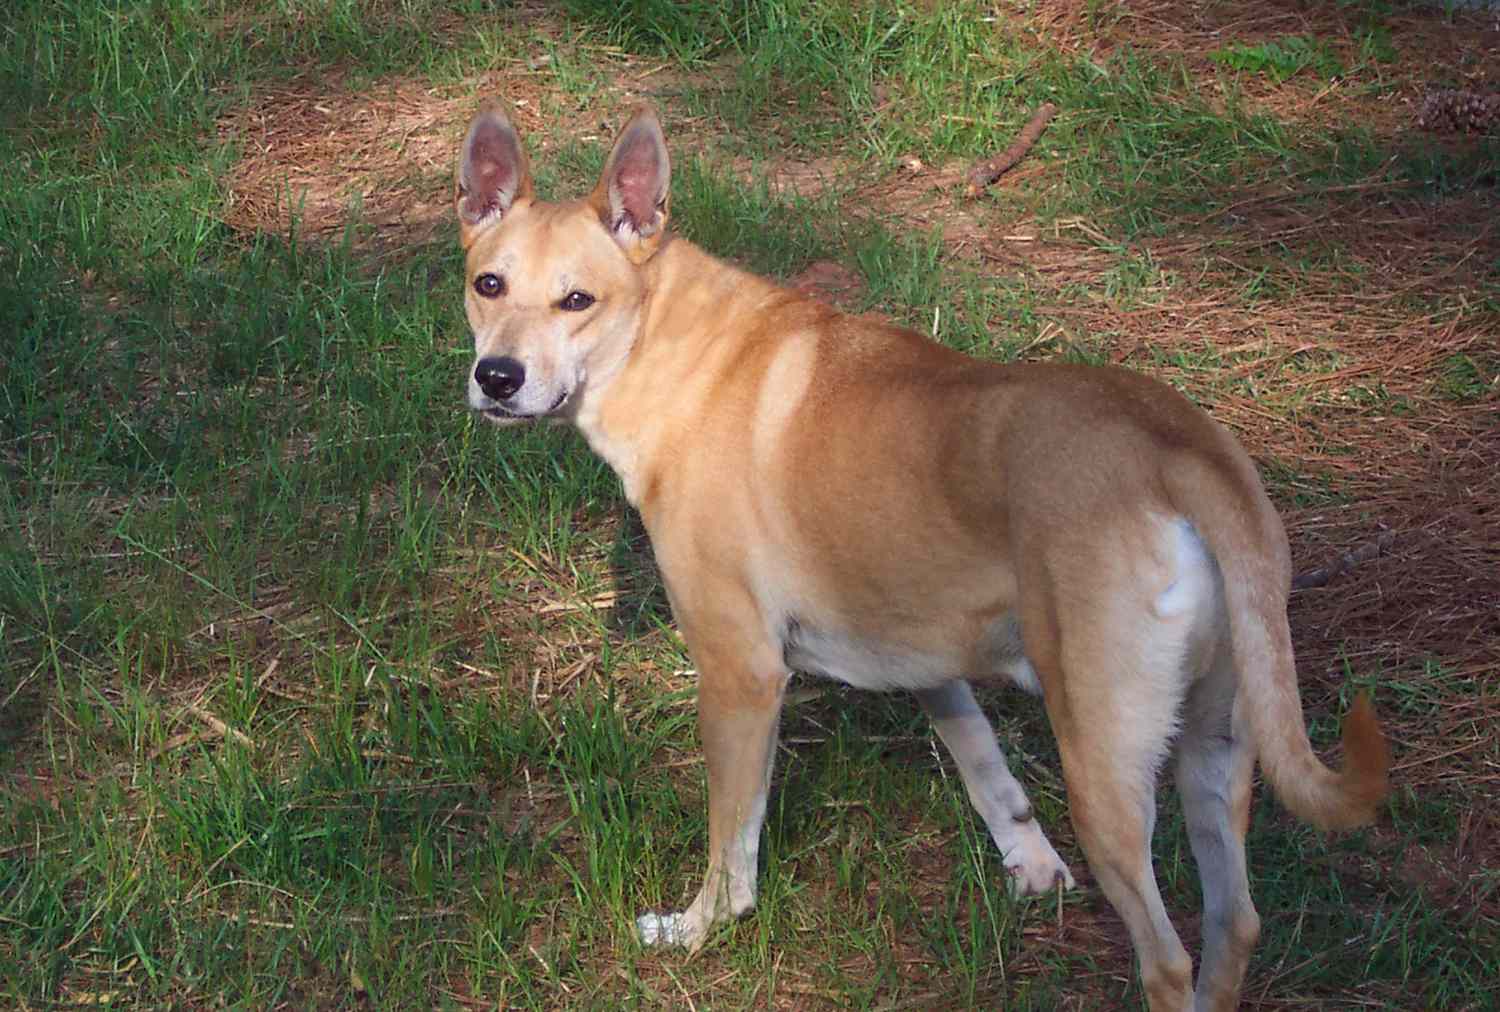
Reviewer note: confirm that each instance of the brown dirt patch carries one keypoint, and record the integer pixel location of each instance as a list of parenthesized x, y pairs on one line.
[(806, 178), (311, 149)]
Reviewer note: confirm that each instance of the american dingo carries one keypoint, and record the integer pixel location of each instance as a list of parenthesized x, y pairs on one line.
[(842, 496)]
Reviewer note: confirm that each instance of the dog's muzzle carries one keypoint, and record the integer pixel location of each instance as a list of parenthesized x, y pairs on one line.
[(500, 379)]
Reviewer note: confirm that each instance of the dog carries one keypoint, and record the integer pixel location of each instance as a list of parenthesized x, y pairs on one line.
[(840, 496)]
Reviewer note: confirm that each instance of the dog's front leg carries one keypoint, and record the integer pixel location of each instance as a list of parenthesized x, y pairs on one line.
[(740, 690)]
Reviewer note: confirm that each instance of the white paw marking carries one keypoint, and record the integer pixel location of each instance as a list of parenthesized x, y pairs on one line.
[(1035, 868), (666, 929)]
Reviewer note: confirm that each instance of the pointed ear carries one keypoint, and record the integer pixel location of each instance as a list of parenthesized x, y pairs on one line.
[(493, 173), (633, 196)]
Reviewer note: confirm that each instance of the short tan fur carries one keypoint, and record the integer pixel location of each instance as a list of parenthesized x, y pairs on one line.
[(838, 495)]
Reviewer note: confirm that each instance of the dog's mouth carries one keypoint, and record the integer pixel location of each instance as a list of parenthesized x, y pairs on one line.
[(502, 414)]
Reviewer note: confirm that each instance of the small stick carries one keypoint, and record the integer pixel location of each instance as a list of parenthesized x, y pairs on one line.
[(223, 729), (176, 742), (266, 675), (986, 172), (1344, 563)]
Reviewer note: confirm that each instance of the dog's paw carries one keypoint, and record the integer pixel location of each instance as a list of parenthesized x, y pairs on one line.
[(1035, 868), (673, 929)]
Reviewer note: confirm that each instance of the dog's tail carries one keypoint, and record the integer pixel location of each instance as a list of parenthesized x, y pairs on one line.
[(1246, 536)]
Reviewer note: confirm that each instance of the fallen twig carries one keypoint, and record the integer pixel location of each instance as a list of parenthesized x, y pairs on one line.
[(986, 172), (1344, 563), (223, 729)]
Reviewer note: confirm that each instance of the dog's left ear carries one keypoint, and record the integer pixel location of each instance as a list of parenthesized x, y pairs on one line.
[(633, 195)]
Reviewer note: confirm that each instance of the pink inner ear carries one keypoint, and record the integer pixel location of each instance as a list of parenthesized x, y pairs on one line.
[(637, 183), (489, 174)]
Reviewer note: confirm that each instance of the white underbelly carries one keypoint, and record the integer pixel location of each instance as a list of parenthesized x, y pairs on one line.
[(883, 666)]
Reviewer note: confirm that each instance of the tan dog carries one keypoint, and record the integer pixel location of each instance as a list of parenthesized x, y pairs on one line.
[(840, 496)]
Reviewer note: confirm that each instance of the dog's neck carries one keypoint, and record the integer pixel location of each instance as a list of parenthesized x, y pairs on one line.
[(692, 299)]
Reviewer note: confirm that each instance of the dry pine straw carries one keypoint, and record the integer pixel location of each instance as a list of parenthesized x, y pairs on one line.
[(310, 147), (1468, 41)]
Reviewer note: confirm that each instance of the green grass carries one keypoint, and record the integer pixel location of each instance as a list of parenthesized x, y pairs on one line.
[(237, 480), (1282, 58)]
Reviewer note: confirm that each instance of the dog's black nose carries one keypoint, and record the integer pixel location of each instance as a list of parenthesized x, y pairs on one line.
[(499, 378)]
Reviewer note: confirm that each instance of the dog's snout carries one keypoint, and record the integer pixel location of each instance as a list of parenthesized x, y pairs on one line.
[(499, 378)]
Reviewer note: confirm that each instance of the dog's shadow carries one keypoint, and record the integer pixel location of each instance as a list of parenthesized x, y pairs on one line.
[(640, 595)]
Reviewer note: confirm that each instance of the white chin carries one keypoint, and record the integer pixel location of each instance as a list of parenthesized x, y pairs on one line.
[(499, 416), (506, 416)]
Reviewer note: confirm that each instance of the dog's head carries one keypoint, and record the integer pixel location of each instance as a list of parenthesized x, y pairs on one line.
[(554, 292)]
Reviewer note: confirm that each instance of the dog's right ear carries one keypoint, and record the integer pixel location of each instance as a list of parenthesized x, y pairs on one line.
[(493, 173)]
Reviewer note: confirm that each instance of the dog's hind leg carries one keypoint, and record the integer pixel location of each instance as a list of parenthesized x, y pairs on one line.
[(1215, 763), (1029, 857), (1111, 668), (1109, 770)]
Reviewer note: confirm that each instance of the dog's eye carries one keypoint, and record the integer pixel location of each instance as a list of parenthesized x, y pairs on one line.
[(575, 301), (491, 286)]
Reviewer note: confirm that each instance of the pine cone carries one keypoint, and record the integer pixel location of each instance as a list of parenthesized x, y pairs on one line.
[(1458, 110)]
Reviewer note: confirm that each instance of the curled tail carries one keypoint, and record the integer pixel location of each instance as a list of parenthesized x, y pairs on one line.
[(1241, 528)]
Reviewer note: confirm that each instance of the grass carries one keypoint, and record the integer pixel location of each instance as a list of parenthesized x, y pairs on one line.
[(314, 693), (1282, 58)]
